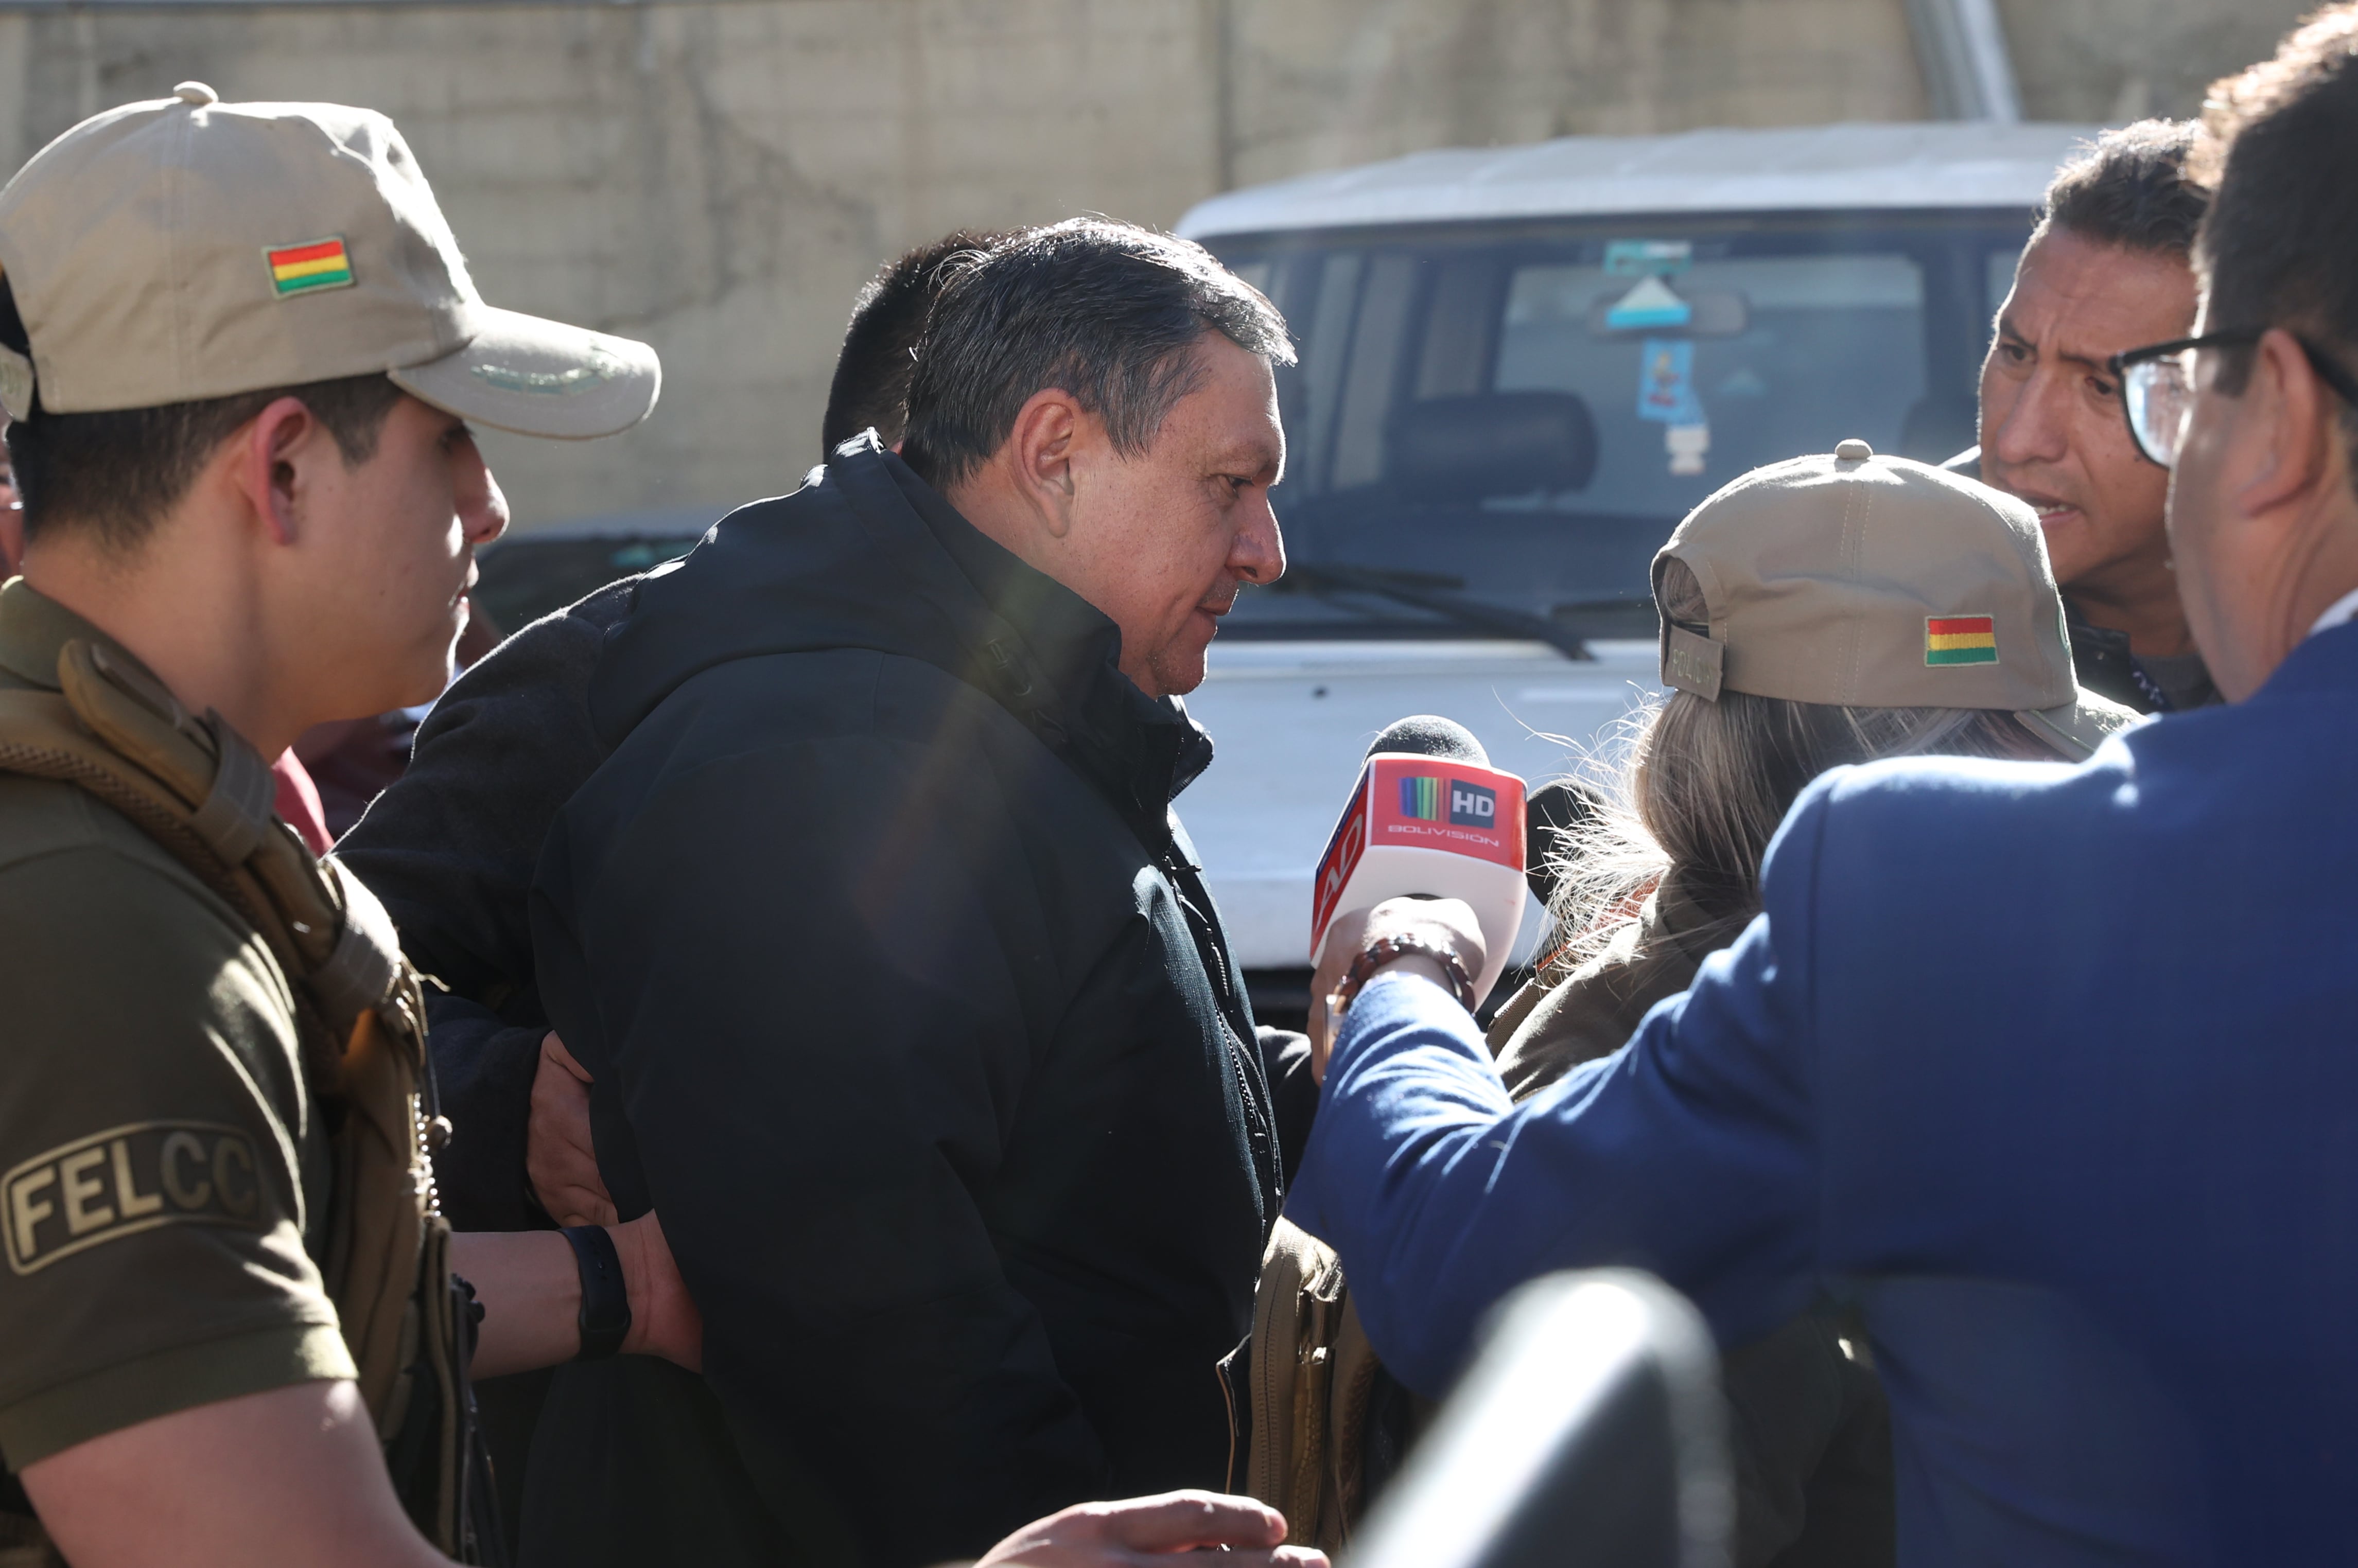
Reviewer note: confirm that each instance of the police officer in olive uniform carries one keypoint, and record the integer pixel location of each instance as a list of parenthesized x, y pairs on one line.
[(241, 349)]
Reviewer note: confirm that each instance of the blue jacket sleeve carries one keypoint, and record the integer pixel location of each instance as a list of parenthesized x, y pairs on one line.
[(1688, 1152)]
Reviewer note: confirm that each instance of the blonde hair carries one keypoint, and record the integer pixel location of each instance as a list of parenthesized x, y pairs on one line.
[(1701, 786)]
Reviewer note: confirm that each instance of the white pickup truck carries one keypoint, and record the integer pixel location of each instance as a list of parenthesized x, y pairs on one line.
[(1520, 367)]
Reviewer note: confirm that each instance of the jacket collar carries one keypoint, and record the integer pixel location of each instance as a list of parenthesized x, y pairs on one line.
[(2081, 626), (1052, 659), (866, 555)]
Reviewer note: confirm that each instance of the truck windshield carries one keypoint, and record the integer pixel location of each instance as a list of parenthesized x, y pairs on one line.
[(1514, 418)]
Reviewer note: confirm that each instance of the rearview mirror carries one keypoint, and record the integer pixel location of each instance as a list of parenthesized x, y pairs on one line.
[(1712, 313), (1490, 443)]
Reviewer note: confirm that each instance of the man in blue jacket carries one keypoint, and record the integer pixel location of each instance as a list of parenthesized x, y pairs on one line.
[(2051, 1069)]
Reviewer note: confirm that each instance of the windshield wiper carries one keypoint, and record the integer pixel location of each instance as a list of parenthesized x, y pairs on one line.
[(1409, 587)]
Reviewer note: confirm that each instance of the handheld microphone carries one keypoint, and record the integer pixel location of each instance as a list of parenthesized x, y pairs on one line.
[(1430, 818), (1566, 806)]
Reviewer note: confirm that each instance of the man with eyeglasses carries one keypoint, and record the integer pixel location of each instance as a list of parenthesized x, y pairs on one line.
[(2048, 1070), (2255, 415), (2106, 268)]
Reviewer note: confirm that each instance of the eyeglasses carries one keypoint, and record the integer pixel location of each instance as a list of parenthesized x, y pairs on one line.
[(2158, 386)]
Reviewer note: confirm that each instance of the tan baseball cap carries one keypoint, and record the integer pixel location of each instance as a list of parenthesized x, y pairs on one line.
[(187, 248), (1866, 581)]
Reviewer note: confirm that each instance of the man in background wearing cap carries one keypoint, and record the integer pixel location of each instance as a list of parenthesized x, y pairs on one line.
[(2106, 269), (2047, 1067), (239, 349)]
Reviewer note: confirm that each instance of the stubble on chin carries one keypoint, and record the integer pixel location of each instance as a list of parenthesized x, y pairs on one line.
[(1179, 670), (1193, 661)]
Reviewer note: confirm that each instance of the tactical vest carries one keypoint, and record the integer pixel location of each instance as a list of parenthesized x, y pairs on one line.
[(200, 791)]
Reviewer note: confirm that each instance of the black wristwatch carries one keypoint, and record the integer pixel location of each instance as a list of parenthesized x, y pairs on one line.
[(605, 1316)]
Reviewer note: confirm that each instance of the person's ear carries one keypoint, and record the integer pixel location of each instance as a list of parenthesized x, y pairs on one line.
[(2286, 427), (269, 462), (1040, 447)]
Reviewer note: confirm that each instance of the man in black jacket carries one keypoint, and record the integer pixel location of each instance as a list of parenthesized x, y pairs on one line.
[(450, 846), (895, 972)]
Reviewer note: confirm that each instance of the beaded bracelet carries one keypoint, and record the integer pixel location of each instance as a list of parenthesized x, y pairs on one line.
[(1384, 950)]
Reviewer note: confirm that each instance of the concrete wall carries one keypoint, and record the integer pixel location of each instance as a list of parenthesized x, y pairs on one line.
[(1324, 83), (718, 176), (2111, 60)]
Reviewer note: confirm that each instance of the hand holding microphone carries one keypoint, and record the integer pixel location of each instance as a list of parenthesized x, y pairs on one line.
[(1447, 923), (1433, 829)]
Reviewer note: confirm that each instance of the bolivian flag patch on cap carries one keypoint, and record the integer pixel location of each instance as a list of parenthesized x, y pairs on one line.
[(1960, 640), (314, 263)]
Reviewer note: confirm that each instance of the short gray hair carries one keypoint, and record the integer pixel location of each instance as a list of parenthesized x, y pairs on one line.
[(1103, 310)]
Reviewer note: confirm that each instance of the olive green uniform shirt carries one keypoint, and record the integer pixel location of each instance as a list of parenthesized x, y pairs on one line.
[(161, 1163)]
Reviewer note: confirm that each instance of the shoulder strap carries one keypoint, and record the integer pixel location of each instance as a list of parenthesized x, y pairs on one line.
[(204, 795)]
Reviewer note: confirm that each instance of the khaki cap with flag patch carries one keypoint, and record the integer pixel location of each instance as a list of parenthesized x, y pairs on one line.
[(187, 248), (1865, 581)]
